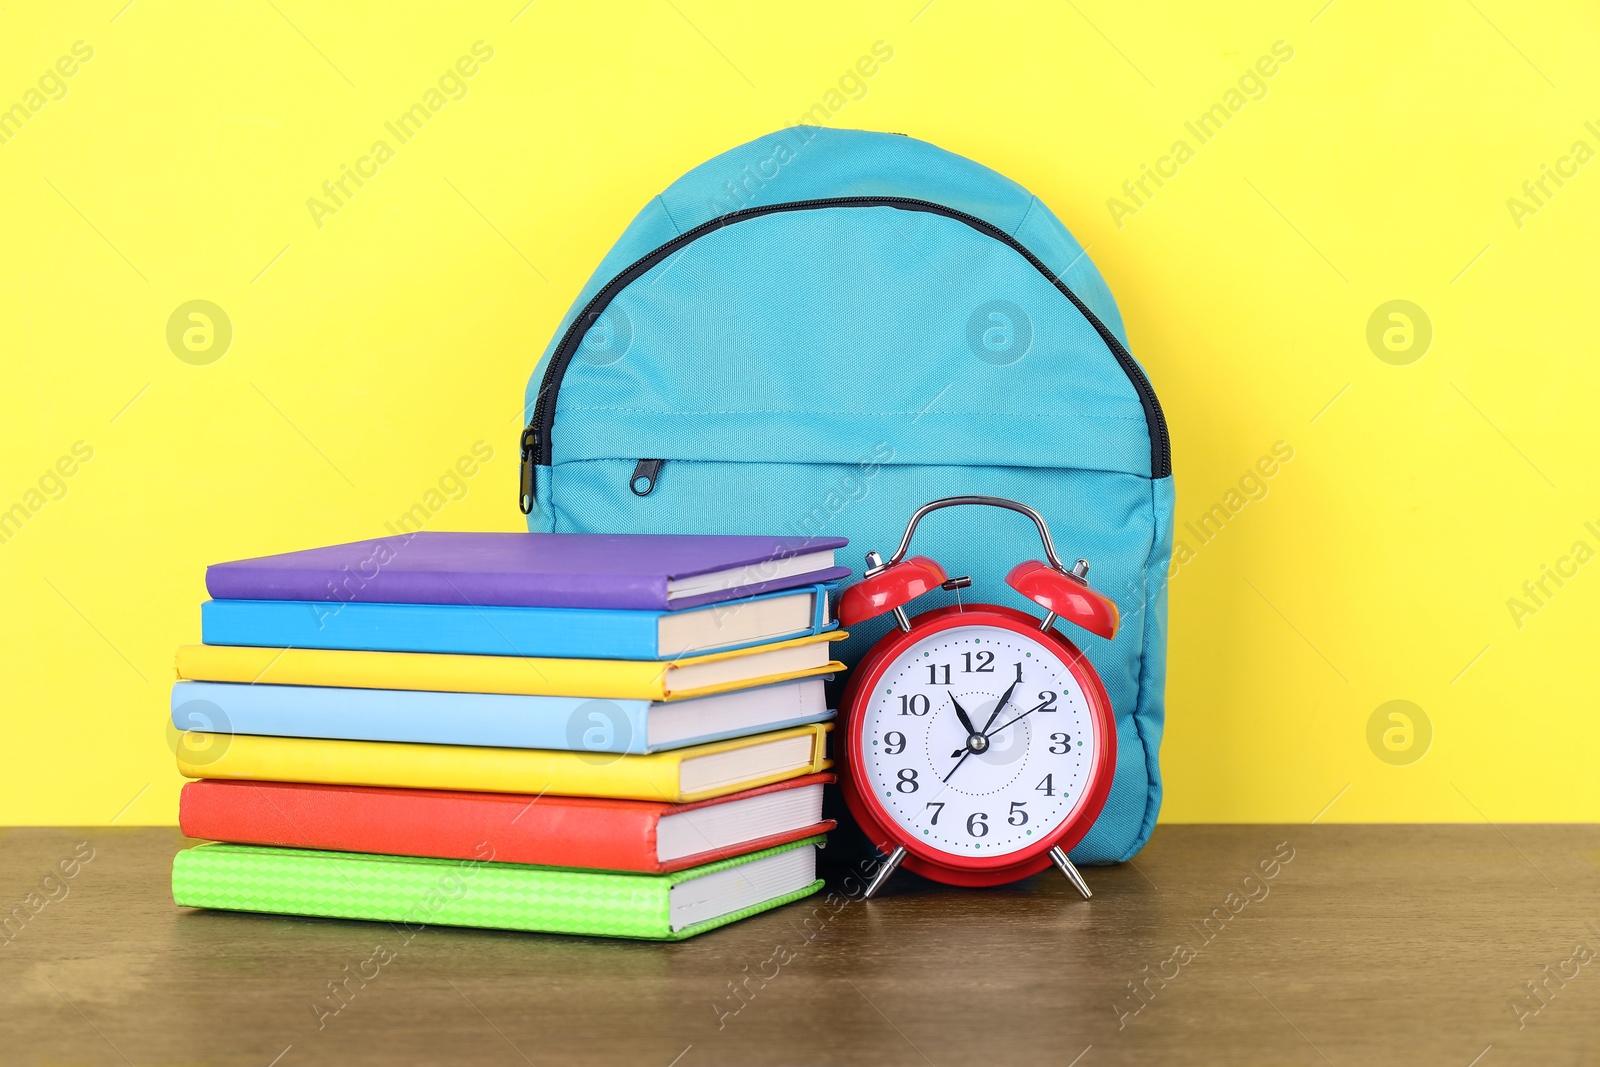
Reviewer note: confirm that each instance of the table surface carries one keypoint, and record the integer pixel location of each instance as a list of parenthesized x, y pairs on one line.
[(1293, 944)]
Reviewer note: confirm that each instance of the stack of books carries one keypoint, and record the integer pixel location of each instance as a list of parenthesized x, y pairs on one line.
[(617, 735)]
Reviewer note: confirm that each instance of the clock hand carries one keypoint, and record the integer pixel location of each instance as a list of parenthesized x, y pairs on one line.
[(991, 733), (961, 713), (1004, 698), (1008, 722), (985, 732)]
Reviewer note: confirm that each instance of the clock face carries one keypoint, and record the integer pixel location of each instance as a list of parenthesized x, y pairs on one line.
[(1004, 785)]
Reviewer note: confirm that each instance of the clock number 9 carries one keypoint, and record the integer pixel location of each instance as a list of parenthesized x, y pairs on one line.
[(895, 742), (907, 780), (914, 705)]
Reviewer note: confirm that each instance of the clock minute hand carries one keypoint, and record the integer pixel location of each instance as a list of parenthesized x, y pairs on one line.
[(1005, 698)]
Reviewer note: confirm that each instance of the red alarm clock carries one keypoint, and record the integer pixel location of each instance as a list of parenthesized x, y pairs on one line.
[(978, 742)]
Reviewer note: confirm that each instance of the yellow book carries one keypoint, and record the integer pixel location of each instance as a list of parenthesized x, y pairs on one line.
[(680, 776), (679, 679)]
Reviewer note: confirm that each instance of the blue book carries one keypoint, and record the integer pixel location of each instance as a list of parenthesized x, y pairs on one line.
[(600, 633), (494, 720)]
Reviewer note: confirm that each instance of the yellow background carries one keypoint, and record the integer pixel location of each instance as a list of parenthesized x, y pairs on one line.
[(372, 352)]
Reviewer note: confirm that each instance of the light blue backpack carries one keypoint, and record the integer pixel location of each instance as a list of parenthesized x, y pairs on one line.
[(821, 330)]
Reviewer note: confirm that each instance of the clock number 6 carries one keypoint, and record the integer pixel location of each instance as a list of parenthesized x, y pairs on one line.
[(976, 827), (907, 780)]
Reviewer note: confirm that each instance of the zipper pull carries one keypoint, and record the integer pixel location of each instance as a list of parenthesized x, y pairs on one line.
[(530, 448), (644, 477)]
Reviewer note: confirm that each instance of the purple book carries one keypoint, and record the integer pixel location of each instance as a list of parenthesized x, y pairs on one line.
[(648, 572)]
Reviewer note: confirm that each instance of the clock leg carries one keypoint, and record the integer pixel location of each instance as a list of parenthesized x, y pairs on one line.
[(1071, 872), (884, 872)]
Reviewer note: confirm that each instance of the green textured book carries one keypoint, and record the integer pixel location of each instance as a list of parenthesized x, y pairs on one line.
[(498, 896)]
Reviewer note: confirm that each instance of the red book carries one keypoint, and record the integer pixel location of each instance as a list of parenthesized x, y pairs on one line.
[(589, 832)]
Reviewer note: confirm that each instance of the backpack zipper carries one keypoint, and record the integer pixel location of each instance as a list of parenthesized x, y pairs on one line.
[(535, 445), (645, 473)]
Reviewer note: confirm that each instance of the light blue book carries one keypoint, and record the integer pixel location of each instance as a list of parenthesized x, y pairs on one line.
[(514, 631), (494, 720)]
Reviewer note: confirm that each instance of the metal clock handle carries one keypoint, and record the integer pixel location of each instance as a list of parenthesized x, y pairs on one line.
[(991, 501)]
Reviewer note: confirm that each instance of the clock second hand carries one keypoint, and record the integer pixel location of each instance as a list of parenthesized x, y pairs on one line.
[(1008, 722)]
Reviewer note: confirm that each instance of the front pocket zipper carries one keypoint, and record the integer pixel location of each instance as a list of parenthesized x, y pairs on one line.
[(644, 476), (535, 445)]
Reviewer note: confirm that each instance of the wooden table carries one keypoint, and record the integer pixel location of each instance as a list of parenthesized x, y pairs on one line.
[(1366, 945)]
